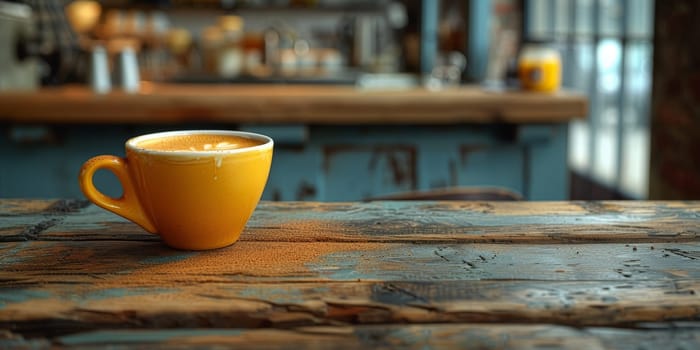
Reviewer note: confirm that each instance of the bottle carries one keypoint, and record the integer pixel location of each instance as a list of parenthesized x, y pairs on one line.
[(212, 38), (539, 67), (230, 61)]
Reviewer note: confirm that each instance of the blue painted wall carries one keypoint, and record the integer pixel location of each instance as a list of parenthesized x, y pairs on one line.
[(320, 163)]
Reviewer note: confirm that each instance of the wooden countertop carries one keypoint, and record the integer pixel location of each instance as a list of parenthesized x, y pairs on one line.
[(288, 104), (491, 275)]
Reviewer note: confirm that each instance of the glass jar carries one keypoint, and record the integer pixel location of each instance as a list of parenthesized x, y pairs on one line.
[(539, 67)]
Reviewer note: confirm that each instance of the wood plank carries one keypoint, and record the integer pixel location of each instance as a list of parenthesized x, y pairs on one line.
[(72, 306), (331, 105), (473, 336), (14, 207), (435, 222), (333, 261), (69, 269)]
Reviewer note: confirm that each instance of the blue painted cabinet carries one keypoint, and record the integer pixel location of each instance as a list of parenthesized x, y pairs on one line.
[(354, 163), (320, 163)]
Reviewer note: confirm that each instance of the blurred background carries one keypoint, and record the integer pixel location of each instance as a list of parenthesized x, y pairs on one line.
[(632, 61)]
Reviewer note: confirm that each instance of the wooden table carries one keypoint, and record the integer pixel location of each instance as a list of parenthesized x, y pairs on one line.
[(584, 275)]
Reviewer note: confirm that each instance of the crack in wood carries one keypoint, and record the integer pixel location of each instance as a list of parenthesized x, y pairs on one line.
[(593, 207), (693, 255), (436, 252), (32, 232), (469, 264), (392, 287), (67, 206), (50, 328), (285, 307)]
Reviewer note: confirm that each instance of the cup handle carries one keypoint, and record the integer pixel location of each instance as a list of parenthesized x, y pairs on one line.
[(128, 204)]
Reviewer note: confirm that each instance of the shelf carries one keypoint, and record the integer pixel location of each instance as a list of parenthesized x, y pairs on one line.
[(276, 6)]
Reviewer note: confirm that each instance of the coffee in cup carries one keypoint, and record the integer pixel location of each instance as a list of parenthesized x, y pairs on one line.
[(196, 189)]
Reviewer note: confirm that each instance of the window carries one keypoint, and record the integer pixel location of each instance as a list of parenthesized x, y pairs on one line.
[(606, 47)]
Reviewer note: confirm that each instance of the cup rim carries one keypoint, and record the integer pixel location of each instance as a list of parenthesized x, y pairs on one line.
[(131, 144)]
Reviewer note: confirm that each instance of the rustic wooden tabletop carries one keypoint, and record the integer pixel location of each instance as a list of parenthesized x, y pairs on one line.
[(584, 275)]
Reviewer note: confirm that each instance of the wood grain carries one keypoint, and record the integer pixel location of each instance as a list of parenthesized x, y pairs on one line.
[(422, 336), (134, 261), (608, 275), (95, 302), (436, 222), (288, 104), (472, 336)]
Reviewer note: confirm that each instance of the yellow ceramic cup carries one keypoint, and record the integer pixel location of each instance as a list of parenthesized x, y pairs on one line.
[(194, 200)]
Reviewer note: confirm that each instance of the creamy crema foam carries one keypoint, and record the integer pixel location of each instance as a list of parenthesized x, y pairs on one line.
[(198, 142)]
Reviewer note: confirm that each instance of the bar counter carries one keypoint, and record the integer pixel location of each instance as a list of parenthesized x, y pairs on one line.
[(308, 104), (488, 275), (327, 137)]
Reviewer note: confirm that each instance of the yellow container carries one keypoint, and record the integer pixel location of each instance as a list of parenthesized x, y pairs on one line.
[(539, 68)]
